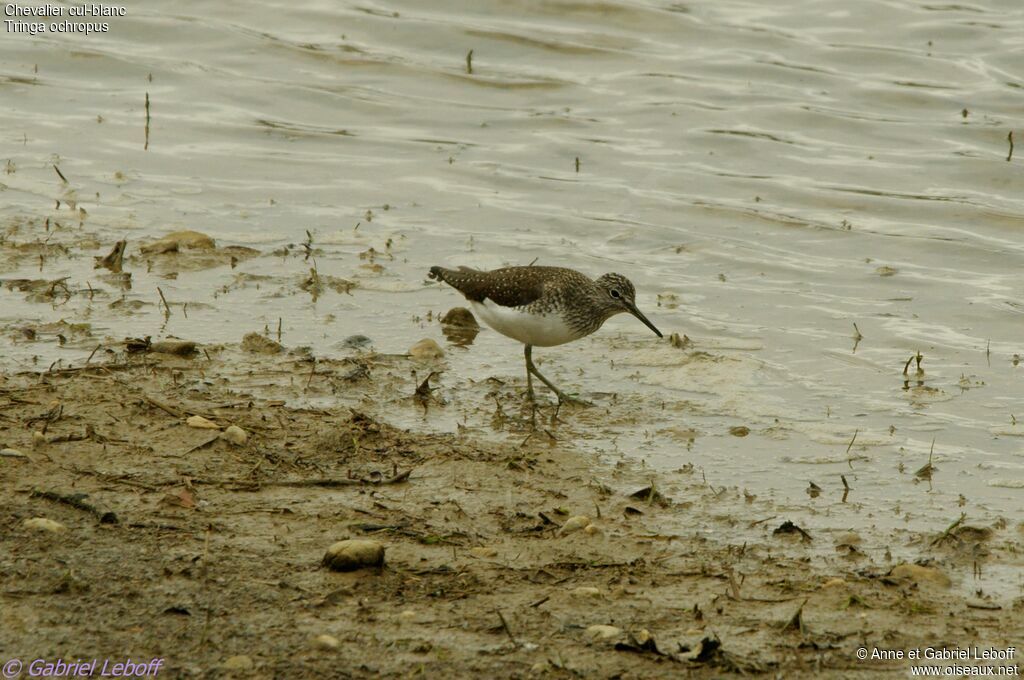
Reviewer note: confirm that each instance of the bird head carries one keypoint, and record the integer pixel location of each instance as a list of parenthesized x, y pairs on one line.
[(620, 296)]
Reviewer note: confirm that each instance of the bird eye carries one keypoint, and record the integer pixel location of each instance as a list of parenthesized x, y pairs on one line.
[(615, 293)]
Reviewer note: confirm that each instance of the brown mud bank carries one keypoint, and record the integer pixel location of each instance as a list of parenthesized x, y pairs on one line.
[(180, 507)]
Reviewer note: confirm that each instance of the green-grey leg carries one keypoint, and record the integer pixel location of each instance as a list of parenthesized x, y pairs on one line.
[(529, 375), (530, 368)]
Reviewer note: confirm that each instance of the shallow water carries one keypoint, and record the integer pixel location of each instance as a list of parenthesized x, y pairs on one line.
[(768, 176)]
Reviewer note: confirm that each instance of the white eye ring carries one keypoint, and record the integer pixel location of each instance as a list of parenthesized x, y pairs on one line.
[(614, 293)]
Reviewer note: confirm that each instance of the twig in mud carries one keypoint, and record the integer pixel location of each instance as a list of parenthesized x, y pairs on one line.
[(469, 65), (504, 623), (78, 369), (65, 179), (423, 391), (51, 292), (114, 259), (308, 245), (92, 353), (278, 330), (734, 588), (328, 483), (796, 622), (146, 146), (906, 367), (164, 407), (85, 435), (540, 601), (1009, 138), (927, 469), (312, 372), (167, 307), (203, 444), (849, 461), (77, 501), (949, 530)]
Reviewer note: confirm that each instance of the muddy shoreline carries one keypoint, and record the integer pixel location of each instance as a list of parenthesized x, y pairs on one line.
[(508, 553)]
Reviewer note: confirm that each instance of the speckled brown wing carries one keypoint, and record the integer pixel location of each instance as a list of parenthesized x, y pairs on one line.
[(508, 287)]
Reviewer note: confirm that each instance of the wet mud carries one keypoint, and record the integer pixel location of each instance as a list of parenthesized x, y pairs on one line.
[(182, 506)]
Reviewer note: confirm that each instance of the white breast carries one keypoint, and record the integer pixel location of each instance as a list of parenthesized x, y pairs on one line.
[(531, 329)]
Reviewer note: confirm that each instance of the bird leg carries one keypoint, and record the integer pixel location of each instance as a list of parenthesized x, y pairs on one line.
[(529, 374), (530, 368)]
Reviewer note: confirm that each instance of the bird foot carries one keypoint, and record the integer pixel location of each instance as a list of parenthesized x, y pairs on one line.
[(571, 399), (564, 398)]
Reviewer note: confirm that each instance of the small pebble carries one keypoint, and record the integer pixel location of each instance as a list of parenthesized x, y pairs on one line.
[(575, 524), (602, 632), (356, 342), (461, 317), (177, 347), (408, 616), (326, 642), (353, 554), (259, 344), (483, 552), (917, 573), (592, 530), (237, 663), (585, 591), (833, 583), (178, 240), (38, 439), (425, 350), (43, 524), (12, 453), (235, 435), (201, 423)]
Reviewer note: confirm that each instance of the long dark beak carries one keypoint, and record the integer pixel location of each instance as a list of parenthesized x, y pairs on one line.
[(640, 315)]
